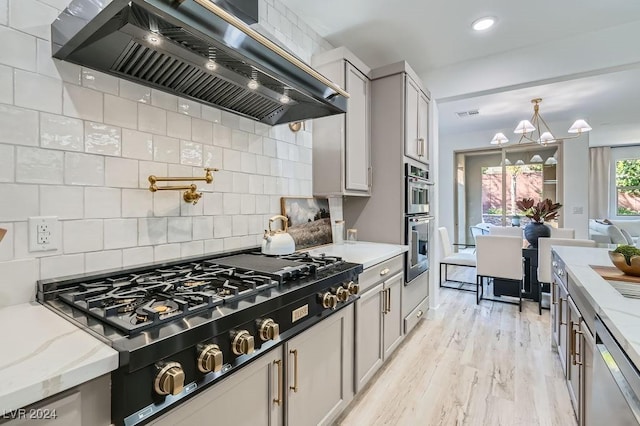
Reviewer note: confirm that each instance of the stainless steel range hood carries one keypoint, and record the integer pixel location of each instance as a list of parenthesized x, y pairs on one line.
[(198, 50)]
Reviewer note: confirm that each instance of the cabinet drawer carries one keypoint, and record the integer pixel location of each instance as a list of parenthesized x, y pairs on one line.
[(416, 315), (380, 272)]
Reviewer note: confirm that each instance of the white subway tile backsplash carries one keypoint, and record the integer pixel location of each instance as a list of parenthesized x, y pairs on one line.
[(223, 181), (255, 144), (99, 81), (203, 227), (232, 160), (213, 246), (81, 236), (6, 248), (17, 49), (282, 150), (164, 100), (221, 136), (137, 256), (269, 147), (222, 226), (294, 187), (36, 165), (137, 144), (121, 172), (120, 112), (247, 204), (212, 204), (240, 183), (190, 209), (180, 229), (276, 167), (239, 140), (288, 169), (152, 231), (231, 203), (103, 260), (102, 202), (19, 126), (167, 203), (211, 114), (6, 85), (18, 281), (137, 203), (256, 224), (230, 120), (102, 139), (166, 252), (60, 132), (61, 266), (192, 248), (256, 184), (36, 91), (7, 162), (188, 107), (247, 125), (263, 165), (190, 153), (212, 157), (55, 68), (180, 170), (120, 233), (178, 125), (270, 185), (166, 149), (152, 119), (262, 204), (4, 12), (32, 17), (83, 169), (135, 92), (248, 162), (65, 202), (80, 102), (201, 130)]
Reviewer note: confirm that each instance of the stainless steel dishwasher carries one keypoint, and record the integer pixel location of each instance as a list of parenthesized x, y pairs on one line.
[(616, 383)]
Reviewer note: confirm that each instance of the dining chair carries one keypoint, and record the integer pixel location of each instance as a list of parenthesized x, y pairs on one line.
[(507, 231), (499, 257), (477, 230), (563, 233), (544, 259), (467, 260)]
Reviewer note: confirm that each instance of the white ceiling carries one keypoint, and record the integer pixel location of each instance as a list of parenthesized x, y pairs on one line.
[(434, 34)]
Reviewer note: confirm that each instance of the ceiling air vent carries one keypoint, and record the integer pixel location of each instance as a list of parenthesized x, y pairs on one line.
[(465, 114)]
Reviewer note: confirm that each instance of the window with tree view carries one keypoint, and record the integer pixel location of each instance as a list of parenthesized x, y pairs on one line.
[(628, 187)]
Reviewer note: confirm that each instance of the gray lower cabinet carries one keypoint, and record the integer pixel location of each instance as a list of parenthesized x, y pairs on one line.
[(251, 396), (87, 404), (379, 320), (573, 368), (320, 371)]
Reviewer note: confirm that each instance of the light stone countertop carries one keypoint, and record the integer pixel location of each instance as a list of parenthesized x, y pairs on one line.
[(43, 354), (620, 314), (366, 253)]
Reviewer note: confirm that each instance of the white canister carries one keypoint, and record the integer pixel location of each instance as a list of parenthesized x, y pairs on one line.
[(338, 232)]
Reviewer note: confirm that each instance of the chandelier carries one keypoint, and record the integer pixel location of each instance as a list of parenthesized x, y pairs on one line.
[(536, 130)]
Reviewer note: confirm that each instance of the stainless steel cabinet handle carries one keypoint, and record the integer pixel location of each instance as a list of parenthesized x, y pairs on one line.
[(295, 370), (389, 300), (420, 147), (560, 310), (576, 346), (278, 400), (572, 343)]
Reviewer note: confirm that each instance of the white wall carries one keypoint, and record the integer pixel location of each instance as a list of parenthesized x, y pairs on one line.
[(575, 178), (80, 145)]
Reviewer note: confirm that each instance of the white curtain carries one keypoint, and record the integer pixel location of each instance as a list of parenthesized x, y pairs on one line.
[(599, 181)]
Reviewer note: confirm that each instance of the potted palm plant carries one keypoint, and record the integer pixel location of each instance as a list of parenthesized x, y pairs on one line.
[(540, 212)]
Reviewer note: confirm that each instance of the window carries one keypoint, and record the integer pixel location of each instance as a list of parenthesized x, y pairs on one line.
[(628, 187)]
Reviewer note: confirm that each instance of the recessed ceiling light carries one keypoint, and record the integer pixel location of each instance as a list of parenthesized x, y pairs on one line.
[(483, 23)]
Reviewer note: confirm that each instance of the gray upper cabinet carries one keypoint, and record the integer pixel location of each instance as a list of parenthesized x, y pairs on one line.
[(416, 122), (341, 144)]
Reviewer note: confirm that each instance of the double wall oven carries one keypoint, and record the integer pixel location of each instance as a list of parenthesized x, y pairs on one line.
[(418, 221)]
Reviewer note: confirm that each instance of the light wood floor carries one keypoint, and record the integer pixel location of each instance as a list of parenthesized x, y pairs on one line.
[(470, 365)]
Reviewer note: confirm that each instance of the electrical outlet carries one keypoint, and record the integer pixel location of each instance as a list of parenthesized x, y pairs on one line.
[(43, 233)]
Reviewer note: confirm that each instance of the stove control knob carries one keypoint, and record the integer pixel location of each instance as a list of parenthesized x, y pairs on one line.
[(242, 343), (342, 294), (170, 379), (209, 358), (269, 330), (328, 300), (353, 288)]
